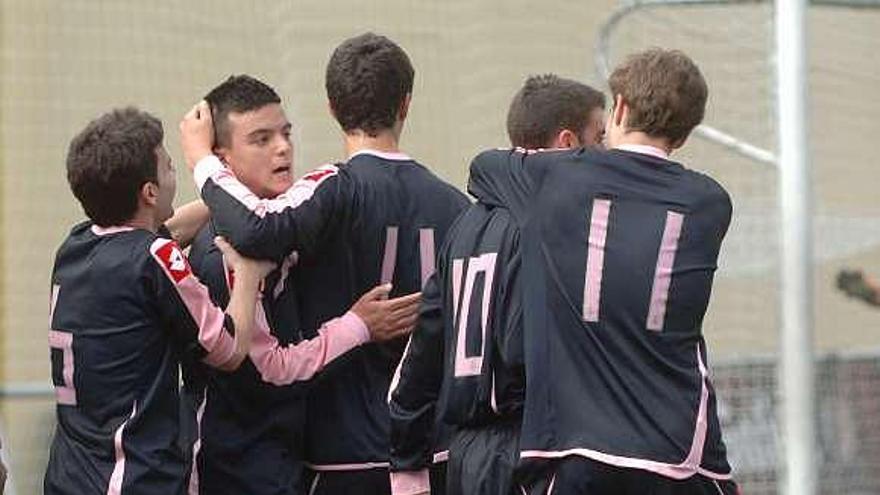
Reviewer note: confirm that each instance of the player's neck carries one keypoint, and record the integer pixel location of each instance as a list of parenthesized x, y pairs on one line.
[(638, 138), (143, 220), (386, 140)]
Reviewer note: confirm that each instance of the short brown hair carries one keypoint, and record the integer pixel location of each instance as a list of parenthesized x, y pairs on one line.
[(547, 104), (665, 92), (367, 79), (110, 160), (238, 94)]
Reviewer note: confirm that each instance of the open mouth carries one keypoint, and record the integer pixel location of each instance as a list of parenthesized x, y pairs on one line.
[(281, 169)]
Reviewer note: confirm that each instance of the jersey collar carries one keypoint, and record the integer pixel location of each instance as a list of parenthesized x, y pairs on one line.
[(644, 149), (386, 155), (99, 231)]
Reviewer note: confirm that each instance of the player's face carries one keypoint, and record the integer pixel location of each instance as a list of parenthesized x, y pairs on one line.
[(167, 179), (259, 152), (594, 132)]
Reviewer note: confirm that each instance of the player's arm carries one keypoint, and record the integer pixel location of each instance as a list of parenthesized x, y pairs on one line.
[(243, 299), (854, 283), (505, 177), (262, 228), (220, 339), (413, 397), (373, 317), (187, 221)]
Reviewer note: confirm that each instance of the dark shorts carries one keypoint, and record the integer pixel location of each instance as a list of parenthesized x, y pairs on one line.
[(482, 460), (367, 482), (581, 476), (263, 468), (361, 482)]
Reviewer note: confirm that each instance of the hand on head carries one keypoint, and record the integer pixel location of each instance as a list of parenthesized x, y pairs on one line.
[(197, 134)]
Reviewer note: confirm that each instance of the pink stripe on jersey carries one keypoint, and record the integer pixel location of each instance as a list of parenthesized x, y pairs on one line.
[(211, 168), (315, 482), (644, 149), (197, 447), (363, 466), (209, 319), (286, 265), (63, 341), (595, 258), (663, 271), (283, 365), (102, 231), (118, 474), (442, 456), (457, 274), (390, 257), (410, 482), (395, 380), (687, 468), (426, 253), (385, 155)]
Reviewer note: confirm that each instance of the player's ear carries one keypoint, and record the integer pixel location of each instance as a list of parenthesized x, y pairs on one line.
[(566, 139), (620, 111), (149, 193), (221, 152), (403, 111)]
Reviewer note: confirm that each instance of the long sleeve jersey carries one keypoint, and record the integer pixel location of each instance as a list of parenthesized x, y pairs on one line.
[(377, 218), (619, 250), (125, 308)]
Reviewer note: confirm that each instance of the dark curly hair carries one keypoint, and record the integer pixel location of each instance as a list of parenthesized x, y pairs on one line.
[(368, 78), (110, 160)]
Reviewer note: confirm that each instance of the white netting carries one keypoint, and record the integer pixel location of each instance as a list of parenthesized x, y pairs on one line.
[(733, 45)]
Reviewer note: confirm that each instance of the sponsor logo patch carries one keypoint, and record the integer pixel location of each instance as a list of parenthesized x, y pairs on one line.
[(172, 257)]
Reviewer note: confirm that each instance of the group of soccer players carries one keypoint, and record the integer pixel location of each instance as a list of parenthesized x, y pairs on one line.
[(381, 334)]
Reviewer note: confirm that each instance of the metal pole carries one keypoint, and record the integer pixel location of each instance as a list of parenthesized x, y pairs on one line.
[(797, 368)]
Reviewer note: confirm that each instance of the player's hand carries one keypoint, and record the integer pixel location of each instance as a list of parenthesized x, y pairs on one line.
[(387, 319), (853, 283), (197, 134), (244, 268)]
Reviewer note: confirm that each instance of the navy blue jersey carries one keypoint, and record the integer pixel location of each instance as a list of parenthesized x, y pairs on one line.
[(377, 218), (251, 421), (125, 309), (466, 352), (249, 431), (619, 251)]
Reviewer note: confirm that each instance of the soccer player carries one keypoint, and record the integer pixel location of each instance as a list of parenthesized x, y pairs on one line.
[(125, 309), (377, 218), (554, 112), (619, 250), (480, 395), (250, 427)]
